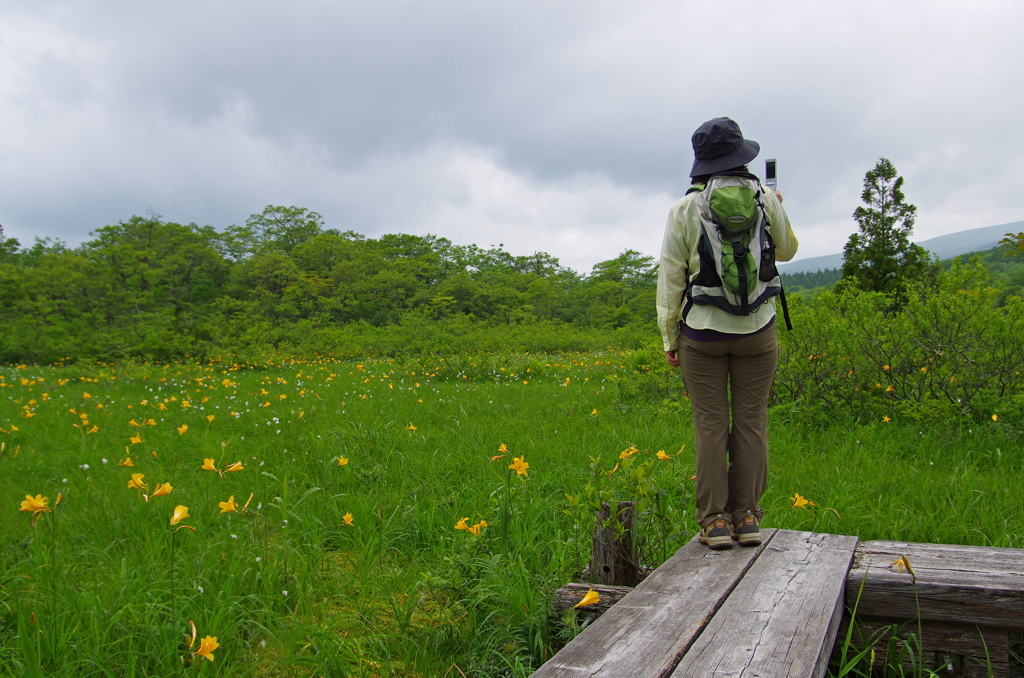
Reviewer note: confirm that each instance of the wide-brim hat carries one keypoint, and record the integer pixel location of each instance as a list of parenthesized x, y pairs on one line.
[(718, 145)]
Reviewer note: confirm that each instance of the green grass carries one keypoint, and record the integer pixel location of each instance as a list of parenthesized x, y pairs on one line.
[(399, 592)]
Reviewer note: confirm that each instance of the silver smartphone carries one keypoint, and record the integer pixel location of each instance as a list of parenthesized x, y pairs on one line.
[(769, 174)]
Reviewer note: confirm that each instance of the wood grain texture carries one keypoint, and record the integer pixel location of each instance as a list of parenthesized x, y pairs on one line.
[(783, 617), (646, 633), (612, 555), (968, 584)]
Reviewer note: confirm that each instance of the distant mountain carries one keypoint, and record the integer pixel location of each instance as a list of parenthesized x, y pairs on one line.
[(944, 246)]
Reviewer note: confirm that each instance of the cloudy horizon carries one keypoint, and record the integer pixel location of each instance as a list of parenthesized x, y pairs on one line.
[(562, 128)]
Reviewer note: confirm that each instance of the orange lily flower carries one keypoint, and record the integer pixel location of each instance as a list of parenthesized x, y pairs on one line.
[(180, 513), (589, 599), (161, 489)]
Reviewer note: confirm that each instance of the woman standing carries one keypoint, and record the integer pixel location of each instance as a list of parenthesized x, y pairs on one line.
[(725, 339)]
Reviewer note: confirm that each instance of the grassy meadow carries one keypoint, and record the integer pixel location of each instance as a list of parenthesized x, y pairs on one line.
[(397, 517)]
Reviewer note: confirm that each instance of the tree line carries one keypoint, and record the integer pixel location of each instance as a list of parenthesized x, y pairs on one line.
[(149, 288)]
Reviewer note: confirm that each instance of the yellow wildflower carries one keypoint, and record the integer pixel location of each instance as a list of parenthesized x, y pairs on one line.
[(237, 466), (37, 506), (663, 455), (347, 518), (520, 466), (228, 506), (136, 439), (342, 460), (410, 427), (461, 525), (206, 647), (208, 464), (589, 599), (901, 565), (182, 429), (137, 482), (180, 513), (799, 501), (127, 462), (161, 489)]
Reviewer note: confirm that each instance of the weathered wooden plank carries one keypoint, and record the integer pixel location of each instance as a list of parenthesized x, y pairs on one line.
[(941, 643), (782, 618), (644, 635), (969, 584)]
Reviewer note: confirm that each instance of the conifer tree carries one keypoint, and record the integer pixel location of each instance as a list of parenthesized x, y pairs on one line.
[(880, 257)]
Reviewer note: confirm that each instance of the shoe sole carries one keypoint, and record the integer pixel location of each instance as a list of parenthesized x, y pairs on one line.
[(749, 540), (717, 543)]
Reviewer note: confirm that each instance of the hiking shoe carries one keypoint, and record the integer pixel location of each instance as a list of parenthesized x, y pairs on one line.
[(747, 531), (716, 534)]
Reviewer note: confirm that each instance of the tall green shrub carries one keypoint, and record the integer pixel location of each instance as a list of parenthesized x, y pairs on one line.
[(948, 353)]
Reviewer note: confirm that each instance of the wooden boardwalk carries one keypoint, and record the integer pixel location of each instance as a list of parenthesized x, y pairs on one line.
[(773, 610), (776, 610)]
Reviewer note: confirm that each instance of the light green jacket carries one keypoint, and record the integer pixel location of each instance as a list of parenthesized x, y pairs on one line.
[(680, 264)]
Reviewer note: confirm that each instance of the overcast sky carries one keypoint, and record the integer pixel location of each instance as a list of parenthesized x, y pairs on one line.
[(561, 127)]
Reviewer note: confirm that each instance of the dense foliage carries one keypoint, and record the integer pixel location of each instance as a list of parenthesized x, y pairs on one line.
[(146, 288), (949, 352)]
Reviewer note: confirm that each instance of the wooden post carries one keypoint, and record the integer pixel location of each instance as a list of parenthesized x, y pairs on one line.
[(612, 557)]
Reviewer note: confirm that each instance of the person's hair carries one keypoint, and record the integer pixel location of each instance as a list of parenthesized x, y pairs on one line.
[(705, 178)]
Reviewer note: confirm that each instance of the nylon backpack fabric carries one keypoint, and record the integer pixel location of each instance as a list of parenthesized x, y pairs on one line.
[(737, 254)]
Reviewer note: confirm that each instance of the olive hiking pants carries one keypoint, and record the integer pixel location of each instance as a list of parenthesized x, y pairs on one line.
[(732, 461)]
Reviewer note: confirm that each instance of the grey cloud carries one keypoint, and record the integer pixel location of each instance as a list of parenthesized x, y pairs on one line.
[(207, 111)]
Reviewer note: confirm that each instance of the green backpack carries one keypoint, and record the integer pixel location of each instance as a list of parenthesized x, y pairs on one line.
[(737, 256)]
